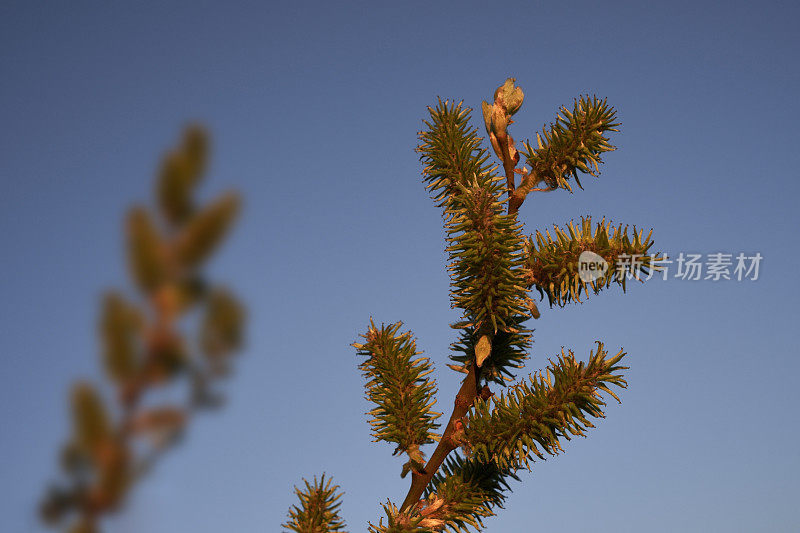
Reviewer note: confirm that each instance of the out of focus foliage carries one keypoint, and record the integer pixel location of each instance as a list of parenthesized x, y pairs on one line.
[(118, 433)]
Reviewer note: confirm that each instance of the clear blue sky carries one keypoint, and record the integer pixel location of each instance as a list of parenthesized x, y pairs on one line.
[(314, 108)]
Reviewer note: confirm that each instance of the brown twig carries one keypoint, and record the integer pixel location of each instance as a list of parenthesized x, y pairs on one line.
[(464, 399)]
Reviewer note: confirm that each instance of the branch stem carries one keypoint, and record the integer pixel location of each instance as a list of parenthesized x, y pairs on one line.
[(508, 168), (464, 399)]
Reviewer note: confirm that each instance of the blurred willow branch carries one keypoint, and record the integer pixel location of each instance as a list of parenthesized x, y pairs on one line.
[(120, 430)]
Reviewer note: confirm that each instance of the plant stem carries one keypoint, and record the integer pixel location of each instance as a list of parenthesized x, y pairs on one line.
[(464, 400)]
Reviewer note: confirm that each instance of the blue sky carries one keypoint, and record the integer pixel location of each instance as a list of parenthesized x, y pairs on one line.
[(314, 109)]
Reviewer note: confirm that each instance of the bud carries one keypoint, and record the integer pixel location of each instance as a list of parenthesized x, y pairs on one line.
[(206, 229), (482, 350), (90, 419), (509, 96), (534, 309), (146, 251), (487, 108), (497, 116)]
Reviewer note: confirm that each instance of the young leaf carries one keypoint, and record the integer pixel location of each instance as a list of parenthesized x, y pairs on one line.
[(120, 329), (146, 251), (181, 170), (206, 229), (221, 329), (91, 422)]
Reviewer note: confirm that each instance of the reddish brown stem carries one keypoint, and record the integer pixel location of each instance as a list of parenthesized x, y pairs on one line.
[(464, 400), (508, 164)]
